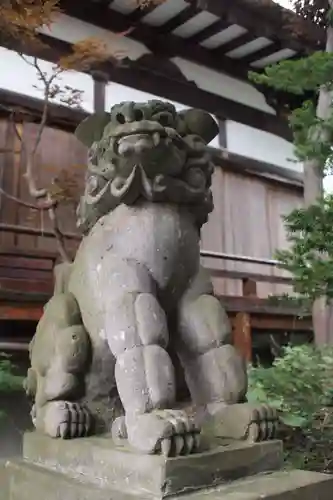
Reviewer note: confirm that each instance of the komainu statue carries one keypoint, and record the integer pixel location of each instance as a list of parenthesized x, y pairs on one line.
[(101, 357)]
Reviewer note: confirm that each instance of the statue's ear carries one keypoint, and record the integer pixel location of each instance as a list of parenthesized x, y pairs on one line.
[(91, 128), (200, 123)]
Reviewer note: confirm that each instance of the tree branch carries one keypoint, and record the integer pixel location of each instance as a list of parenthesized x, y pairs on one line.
[(42, 206), (60, 239), (33, 191), (49, 204)]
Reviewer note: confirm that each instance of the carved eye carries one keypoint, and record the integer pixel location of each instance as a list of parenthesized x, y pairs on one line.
[(138, 115), (196, 178), (166, 119), (120, 118)]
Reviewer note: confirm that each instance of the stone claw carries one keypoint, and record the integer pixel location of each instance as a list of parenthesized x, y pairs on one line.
[(169, 432), (63, 419), (249, 422), (166, 447)]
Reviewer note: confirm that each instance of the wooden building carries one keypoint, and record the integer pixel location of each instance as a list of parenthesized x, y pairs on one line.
[(196, 54)]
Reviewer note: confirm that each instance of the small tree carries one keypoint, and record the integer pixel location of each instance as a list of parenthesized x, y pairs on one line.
[(299, 386), (309, 230)]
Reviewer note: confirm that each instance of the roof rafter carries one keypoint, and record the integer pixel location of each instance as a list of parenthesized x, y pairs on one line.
[(179, 19), (140, 12), (235, 43), (208, 32), (163, 42), (261, 53), (267, 19), (158, 82), (153, 39)]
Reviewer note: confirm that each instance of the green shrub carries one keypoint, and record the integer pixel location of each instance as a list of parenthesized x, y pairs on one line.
[(9, 381), (300, 386)]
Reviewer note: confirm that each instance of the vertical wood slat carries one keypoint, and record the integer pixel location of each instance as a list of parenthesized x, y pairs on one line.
[(9, 165), (18, 165), (26, 216), (99, 94), (223, 134), (242, 335), (59, 152), (4, 138), (249, 288), (246, 219)]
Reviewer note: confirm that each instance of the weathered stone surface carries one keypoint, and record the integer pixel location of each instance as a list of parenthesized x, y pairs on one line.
[(4, 478), (136, 290), (97, 461), (293, 485), (31, 481)]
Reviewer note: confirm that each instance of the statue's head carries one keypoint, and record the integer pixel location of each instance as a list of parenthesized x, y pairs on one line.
[(137, 148)]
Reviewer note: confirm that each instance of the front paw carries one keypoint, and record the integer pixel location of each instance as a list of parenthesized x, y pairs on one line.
[(168, 432), (246, 422), (63, 419)]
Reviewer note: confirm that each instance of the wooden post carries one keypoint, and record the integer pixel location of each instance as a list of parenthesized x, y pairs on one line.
[(242, 335), (17, 172), (223, 133), (322, 310), (100, 81), (249, 287)]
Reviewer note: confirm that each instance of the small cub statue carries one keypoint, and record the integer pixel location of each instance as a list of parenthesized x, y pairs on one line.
[(100, 358)]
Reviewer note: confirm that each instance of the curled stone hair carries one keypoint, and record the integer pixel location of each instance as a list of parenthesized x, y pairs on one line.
[(146, 150)]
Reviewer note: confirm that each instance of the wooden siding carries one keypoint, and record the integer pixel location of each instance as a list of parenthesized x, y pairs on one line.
[(59, 152), (246, 219)]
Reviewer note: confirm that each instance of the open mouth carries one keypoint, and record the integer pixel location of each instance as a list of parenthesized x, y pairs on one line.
[(138, 142)]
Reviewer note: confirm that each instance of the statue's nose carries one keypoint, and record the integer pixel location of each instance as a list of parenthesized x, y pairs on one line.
[(130, 114)]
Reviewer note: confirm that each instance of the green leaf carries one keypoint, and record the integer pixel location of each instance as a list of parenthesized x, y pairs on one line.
[(293, 420)]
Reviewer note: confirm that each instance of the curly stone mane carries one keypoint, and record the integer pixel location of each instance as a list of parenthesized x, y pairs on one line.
[(159, 155)]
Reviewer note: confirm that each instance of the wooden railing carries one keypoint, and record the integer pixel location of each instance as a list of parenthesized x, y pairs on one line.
[(26, 283), (248, 312)]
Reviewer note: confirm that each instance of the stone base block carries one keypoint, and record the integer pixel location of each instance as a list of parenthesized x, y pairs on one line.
[(28, 481), (96, 461), (95, 469), (4, 491), (293, 485)]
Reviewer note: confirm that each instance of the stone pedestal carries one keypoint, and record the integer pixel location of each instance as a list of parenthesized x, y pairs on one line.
[(94, 469)]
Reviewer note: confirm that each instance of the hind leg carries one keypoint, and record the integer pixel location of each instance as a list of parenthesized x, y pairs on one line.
[(59, 355), (137, 334), (216, 375)]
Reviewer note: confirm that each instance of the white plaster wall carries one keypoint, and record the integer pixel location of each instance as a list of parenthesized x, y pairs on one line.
[(116, 93), (73, 30), (18, 76), (260, 145), (223, 85)]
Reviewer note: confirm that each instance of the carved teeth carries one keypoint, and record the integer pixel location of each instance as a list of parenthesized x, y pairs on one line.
[(125, 149), (156, 138), (114, 146)]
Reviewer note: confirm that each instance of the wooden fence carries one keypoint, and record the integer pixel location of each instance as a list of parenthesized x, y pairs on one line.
[(249, 198), (26, 283), (246, 219)]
